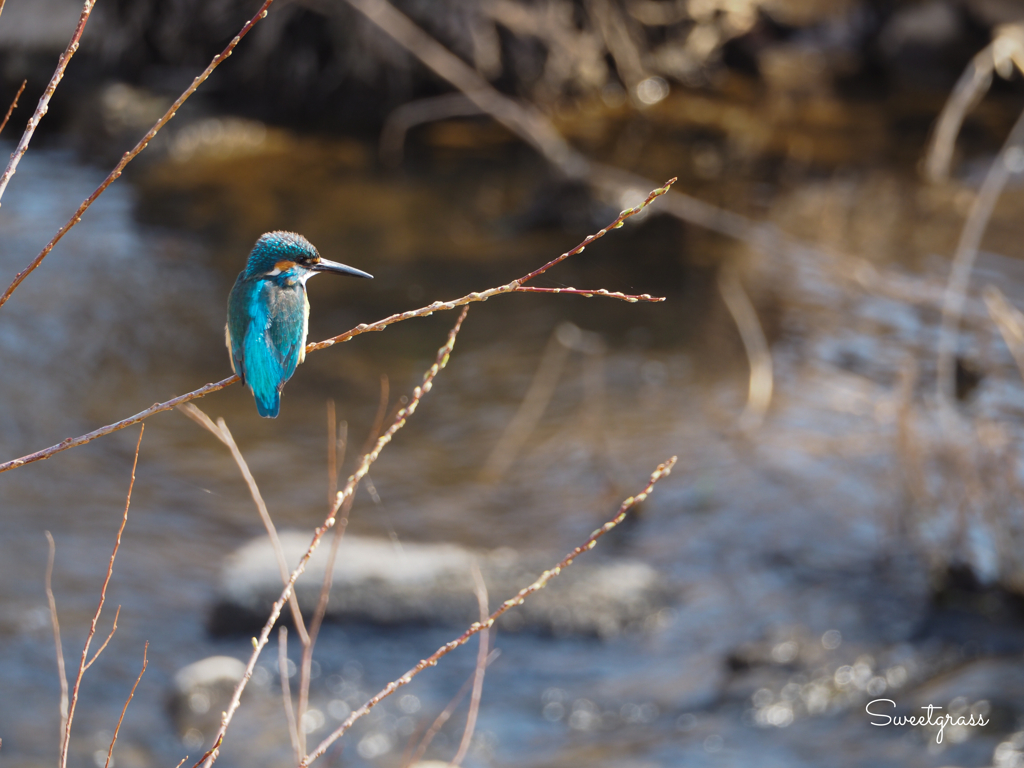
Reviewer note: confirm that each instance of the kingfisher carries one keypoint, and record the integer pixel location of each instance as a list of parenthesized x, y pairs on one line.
[(268, 314)]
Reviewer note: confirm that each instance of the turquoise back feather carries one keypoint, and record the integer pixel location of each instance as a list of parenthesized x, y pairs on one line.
[(267, 334)]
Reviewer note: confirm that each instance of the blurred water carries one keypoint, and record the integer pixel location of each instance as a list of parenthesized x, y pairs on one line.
[(770, 546)]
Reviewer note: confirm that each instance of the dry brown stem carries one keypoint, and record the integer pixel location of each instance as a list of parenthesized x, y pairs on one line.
[(221, 432), (481, 668), (44, 101), (531, 409), (411, 758), (1010, 156), (62, 674), (286, 690), (113, 741), (113, 629), (514, 287), (82, 666), (759, 355), (331, 522), (1010, 322), (131, 154), (14, 104), (305, 674), (662, 470)]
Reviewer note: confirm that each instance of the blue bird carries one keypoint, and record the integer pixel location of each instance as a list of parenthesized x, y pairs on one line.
[(268, 314)]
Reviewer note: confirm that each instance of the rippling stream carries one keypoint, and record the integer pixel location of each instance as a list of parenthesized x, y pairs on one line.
[(789, 602)]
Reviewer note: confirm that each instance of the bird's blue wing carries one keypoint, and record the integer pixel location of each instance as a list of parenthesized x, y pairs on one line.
[(272, 335)]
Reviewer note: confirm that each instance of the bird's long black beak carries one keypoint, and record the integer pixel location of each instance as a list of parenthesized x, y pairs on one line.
[(326, 265)]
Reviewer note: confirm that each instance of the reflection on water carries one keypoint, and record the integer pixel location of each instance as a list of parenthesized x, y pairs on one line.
[(791, 604)]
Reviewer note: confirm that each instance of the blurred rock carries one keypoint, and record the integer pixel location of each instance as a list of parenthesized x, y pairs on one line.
[(381, 582), (202, 691)]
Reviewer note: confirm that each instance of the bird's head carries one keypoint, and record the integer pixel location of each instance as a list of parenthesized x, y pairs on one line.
[(291, 257)]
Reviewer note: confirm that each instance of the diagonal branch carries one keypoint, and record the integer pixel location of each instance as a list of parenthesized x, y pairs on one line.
[(113, 741), (113, 629), (476, 627), (44, 100), (221, 432), (14, 104), (514, 287), (63, 675), (132, 153), (478, 674), (99, 608), (332, 521)]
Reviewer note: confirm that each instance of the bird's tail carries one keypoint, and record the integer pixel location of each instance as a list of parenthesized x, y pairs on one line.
[(268, 404)]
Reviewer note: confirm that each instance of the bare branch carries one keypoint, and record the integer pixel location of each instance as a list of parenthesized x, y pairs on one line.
[(442, 718), (113, 629), (131, 154), (759, 355), (481, 668), (331, 522), (444, 650), (44, 100), (965, 256), (221, 432), (62, 674), (99, 608), (380, 325), (632, 299), (14, 104), (113, 741), (286, 690)]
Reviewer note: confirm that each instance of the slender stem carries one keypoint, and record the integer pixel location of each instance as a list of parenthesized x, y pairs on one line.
[(286, 690), (61, 672), (113, 629), (588, 293), (99, 608), (662, 470), (438, 306), (14, 104), (478, 674), (221, 432), (113, 741), (131, 154), (259, 643), (44, 100)]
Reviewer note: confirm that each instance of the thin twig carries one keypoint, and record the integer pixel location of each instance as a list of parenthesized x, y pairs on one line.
[(131, 154), (332, 521), (632, 299), (380, 325), (476, 627), (305, 674), (478, 674), (536, 129), (332, 452), (531, 409), (759, 390), (1010, 322), (286, 690), (99, 608), (14, 104), (113, 629), (221, 432), (62, 674), (965, 256), (441, 719), (44, 100), (113, 741)]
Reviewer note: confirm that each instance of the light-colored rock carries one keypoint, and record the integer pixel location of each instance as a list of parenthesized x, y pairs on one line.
[(381, 582)]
